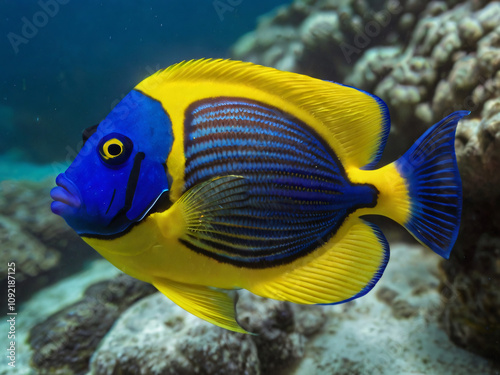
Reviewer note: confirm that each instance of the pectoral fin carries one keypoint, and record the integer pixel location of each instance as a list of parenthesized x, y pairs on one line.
[(196, 210), (213, 305)]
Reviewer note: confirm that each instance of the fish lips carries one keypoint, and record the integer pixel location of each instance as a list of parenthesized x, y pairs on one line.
[(65, 195)]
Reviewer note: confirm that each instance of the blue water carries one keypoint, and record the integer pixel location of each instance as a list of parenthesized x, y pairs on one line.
[(65, 64)]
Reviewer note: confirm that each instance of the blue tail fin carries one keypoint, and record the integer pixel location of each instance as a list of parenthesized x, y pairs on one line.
[(434, 185)]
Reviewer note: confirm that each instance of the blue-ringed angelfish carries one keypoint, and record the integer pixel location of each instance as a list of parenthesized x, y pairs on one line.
[(216, 175)]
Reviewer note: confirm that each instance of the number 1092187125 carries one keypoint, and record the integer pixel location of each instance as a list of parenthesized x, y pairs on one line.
[(11, 287)]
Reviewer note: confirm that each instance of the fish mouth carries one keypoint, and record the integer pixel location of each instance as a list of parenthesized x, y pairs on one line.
[(65, 195)]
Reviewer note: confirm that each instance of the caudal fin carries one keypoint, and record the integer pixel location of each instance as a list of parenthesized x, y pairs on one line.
[(434, 186)]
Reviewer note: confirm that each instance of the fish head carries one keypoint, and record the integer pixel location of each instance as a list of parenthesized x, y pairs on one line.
[(120, 173)]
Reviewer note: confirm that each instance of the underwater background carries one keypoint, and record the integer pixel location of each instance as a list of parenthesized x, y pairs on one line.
[(65, 64)]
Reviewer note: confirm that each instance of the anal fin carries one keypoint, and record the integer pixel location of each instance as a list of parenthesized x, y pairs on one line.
[(348, 269), (210, 304)]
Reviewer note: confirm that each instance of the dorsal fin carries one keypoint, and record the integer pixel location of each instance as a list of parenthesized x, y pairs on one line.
[(353, 122)]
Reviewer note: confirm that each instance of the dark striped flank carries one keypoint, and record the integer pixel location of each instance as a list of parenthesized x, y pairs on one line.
[(296, 191)]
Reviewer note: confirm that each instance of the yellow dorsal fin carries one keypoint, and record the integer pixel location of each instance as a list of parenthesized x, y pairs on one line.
[(349, 269), (353, 122), (213, 305)]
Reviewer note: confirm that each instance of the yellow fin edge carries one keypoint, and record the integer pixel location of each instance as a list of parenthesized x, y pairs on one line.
[(213, 305), (348, 269)]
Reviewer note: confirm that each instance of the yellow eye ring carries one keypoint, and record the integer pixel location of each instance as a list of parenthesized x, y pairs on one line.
[(112, 148), (115, 149)]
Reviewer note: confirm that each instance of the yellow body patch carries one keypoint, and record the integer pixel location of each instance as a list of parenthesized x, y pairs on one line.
[(393, 198)]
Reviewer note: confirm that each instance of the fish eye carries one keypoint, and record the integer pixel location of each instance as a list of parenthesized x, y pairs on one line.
[(115, 149)]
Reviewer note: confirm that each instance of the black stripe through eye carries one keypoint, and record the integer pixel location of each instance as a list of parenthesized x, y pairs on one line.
[(121, 216), (133, 180), (111, 202)]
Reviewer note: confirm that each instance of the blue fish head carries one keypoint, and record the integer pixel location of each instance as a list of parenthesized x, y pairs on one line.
[(120, 172)]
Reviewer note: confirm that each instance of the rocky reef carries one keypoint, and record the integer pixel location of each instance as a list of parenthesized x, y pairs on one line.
[(391, 330), (64, 342), (157, 336), (471, 314), (40, 243), (171, 341), (426, 60), (478, 154), (324, 38)]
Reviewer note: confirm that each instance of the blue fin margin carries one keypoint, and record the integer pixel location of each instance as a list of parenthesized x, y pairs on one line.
[(386, 126), (383, 264), (434, 185)]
